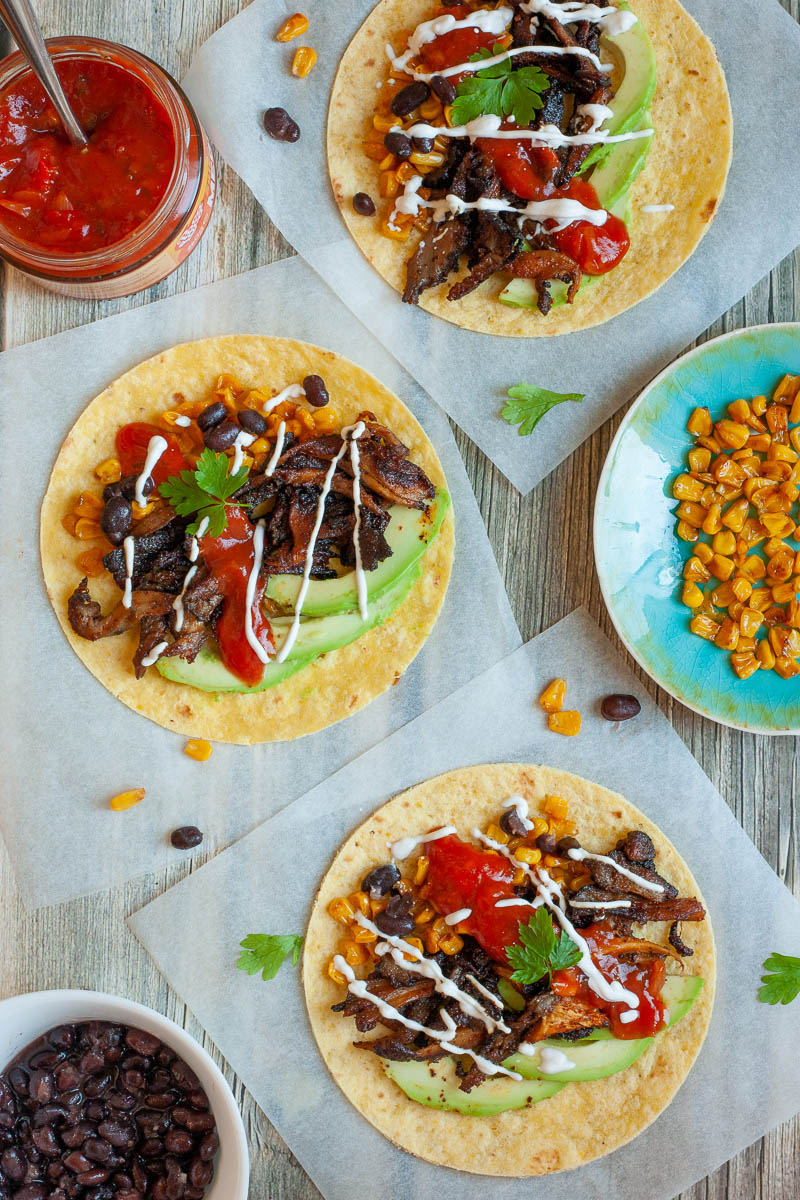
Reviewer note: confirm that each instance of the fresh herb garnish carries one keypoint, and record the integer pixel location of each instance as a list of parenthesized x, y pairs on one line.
[(783, 986), (501, 90), (541, 952), (265, 952), (204, 491), (527, 405)]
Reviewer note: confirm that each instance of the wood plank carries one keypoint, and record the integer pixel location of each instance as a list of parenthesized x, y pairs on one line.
[(543, 547)]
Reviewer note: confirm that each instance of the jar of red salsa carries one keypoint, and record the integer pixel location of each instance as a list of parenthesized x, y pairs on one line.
[(121, 215)]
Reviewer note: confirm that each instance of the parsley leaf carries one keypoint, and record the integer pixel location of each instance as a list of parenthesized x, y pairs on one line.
[(501, 90), (204, 491), (528, 404), (265, 952), (541, 952), (783, 986)]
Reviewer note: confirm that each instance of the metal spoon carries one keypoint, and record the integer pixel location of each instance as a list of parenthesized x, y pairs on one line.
[(26, 32)]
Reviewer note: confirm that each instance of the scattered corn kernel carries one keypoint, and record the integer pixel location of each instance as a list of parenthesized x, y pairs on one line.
[(553, 697), (293, 27), (127, 800), (303, 61), (198, 749), (556, 806)]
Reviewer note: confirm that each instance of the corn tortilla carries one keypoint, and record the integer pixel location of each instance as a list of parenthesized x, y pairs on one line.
[(334, 685), (687, 166), (583, 1121)]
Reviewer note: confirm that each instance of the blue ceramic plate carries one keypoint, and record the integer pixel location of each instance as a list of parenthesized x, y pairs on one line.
[(639, 558)]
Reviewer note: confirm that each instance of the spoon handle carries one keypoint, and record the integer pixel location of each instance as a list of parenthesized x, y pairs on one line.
[(24, 28)]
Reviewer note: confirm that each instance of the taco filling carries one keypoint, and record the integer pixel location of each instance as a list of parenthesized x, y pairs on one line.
[(509, 137), (248, 533), (489, 972)]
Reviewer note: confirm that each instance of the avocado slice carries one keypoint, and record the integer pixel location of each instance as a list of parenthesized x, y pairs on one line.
[(634, 52), (318, 635), (436, 1086), (409, 533), (602, 1054)]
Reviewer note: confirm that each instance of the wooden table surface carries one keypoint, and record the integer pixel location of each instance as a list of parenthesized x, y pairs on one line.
[(86, 943)]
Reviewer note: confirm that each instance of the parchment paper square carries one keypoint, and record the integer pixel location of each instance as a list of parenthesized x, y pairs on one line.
[(745, 1079)]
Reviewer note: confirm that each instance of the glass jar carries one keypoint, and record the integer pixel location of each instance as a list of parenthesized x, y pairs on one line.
[(164, 239)]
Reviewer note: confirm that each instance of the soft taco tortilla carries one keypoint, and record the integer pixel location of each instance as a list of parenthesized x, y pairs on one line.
[(333, 686), (687, 166), (583, 1121)]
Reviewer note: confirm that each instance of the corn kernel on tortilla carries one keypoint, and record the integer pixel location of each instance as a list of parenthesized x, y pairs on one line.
[(687, 166), (334, 685), (583, 1121)]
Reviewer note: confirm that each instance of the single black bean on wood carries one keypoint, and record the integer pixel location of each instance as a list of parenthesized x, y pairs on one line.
[(619, 707), (186, 837)]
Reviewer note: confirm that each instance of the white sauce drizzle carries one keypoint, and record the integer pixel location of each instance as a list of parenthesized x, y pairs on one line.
[(578, 855), (354, 431), (484, 991), (551, 1060), (129, 549), (250, 594), (293, 392), (155, 654), (183, 422), (460, 68), (194, 552), (418, 964), (155, 448), (276, 453), (563, 211), (488, 20), (520, 805), (599, 903), (657, 208), (516, 901), (407, 845), (361, 578), (489, 126), (242, 439), (629, 1015), (551, 895), (460, 914), (613, 20)]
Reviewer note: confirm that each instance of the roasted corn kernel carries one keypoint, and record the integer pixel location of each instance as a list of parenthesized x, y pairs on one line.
[(303, 61), (127, 800), (199, 749), (293, 27), (553, 697)]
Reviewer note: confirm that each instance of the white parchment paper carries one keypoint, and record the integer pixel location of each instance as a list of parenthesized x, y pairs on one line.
[(469, 373), (66, 745), (745, 1080)]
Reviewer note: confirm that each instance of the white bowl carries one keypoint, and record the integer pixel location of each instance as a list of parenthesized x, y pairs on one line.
[(25, 1018)]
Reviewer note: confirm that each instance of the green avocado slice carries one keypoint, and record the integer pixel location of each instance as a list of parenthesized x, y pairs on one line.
[(409, 533), (601, 1054), (436, 1086), (317, 635)]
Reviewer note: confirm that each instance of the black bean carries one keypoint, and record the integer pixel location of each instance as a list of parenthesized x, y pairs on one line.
[(380, 880), (99, 1084), (161, 1100), (363, 204), (200, 1173), (209, 1147), (76, 1135), (212, 415), (117, 519), (179, 1141), (97, 1150), (512, 824), (42, 1087), (315, 390), (31, 1191), (410, 98), (67, 1077), (546, 842), (18, 1078), (132, 1080), (423, 145), (184, 1076), (92, 1061), (253, 422), (77, 1162), (195, 1122), (50, 1114), (398, 144), (93, 1175), (222, 436), (119, 1131), (13, 1163), (638, 846), (96, 1110), (46, 1142), (443, 88), (186, 837), (280, 125), (199, 1099), (396, 918), (120, 1101), (619, 707), (46, 1060), (566, 844)]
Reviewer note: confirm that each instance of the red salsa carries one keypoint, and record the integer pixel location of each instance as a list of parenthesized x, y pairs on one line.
[(131, 444), (65, 199), (230, 558), (460, 876)]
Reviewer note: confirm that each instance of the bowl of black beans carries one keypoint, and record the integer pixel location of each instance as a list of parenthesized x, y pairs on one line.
[(104, 1099)]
